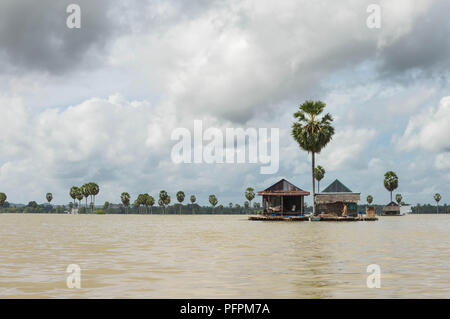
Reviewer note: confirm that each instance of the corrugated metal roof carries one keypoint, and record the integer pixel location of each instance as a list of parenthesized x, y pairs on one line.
[(337, 187), (285, 188)]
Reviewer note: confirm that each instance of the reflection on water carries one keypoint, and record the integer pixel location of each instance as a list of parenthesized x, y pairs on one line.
[(156, 256)]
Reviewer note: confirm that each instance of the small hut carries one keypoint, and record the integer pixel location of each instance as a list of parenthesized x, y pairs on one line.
[(338, 200), (283, 198), (391, 209)]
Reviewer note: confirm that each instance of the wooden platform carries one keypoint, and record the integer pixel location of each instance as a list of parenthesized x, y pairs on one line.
[(279, 218), (305, 218)]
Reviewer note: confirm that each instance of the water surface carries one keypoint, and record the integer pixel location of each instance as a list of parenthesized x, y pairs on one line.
[(157, 256)]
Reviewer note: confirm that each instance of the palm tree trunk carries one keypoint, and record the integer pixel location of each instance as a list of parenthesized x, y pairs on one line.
[(314, 185), (318, 186), (391, 197)]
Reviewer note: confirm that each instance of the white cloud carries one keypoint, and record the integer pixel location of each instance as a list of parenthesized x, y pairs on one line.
[(430, 130), (99, 139), (243, 57), (224, 62), (346, 148), (442, 161)]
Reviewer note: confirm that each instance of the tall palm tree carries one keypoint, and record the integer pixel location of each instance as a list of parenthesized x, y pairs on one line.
[(213, 201), (141, 199), (161, 204), (49, 197), (73, 193), (180, 198), (319, 173), (250, 194), (398, 198), (437, 198), (164, 198), (146, 201), (94, 192), (136, 204), (85, 190), (369, 199), (166, 202), (193, 199), (312, 133), (79, 197), (125, 199), (150, 201), (390, 182), (3, 199)]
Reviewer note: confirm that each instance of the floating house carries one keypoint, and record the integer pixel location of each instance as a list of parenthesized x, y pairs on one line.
[(283, 198), (391, 209), (405, 210), (338, 200)]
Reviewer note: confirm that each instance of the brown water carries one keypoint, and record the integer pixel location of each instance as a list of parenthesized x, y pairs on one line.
[(155, 256)]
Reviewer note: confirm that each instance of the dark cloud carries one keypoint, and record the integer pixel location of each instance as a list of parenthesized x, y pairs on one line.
[(34, 35), (425, 48)]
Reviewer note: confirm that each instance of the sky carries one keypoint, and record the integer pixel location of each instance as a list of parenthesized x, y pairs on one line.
[(99, 103)]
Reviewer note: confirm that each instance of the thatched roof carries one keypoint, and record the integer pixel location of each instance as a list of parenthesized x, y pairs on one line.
[(285, 188), (329, 198), (336, 187), (391, 207)]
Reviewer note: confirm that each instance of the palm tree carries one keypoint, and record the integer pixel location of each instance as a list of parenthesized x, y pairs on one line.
[(79, 197), (136, 204), (230, 205), (161, 203), (398, 198), (49, 197), (3, 198), (164, 199), (86, 193), (147, 202), (125, 199), (94, 192), (150, 201), (390, 182), (319, 173), (74, 193), (166, 202), (193, 199), (213, 201), (369, 199), (437, 198), (250, 194), (180, 198), (312, 133), (141, 199)]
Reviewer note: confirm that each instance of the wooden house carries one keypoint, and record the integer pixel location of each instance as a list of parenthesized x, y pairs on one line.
[(338, 200), (391, 209), (283, 198)]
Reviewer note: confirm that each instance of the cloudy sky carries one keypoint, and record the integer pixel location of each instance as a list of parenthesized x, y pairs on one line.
[(99, 103)]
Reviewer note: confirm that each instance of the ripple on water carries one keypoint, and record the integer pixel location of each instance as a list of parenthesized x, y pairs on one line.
[(154, 256)]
